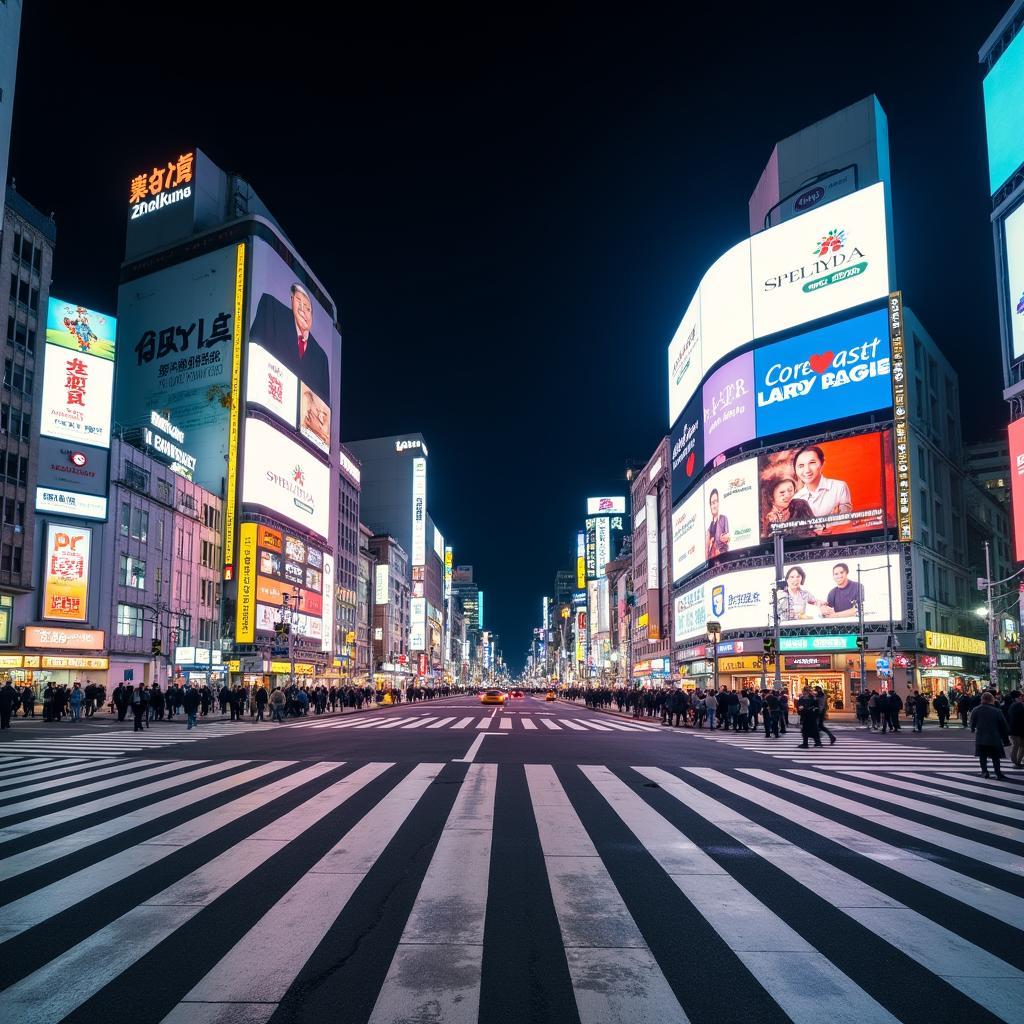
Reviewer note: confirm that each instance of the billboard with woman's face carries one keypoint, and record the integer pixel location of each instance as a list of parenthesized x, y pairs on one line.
[(826, 488)]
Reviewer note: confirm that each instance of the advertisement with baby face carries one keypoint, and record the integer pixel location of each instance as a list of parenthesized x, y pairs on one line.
[(827, 488)]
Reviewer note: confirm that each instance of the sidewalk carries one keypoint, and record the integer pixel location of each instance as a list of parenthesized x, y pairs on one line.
[(215, 717)]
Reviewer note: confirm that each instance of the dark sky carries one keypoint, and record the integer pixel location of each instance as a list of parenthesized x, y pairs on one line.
[(512, 216)]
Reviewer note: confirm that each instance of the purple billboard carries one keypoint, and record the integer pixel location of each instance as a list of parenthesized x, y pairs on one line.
[(729, 417)]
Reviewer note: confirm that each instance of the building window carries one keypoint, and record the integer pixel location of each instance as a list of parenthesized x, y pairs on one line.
[(136, 477), (163, 491), (140, 524), (133, 572), (159, 535), (126, 517), (129, 620)]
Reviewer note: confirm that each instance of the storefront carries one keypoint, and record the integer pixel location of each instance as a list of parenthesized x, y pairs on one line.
[(56, 655), (652, 672), (949, 662)]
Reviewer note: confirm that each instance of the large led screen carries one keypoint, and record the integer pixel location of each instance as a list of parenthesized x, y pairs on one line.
[(720, 517), (729, 413), (1004, 100), (823, 375), (822, 592), (1013, 231), (687, 449), (817, 265), (826, 488), (66, 573), (284, 479), (1016, 440), (298, 348), (175, 343), (78, 375)]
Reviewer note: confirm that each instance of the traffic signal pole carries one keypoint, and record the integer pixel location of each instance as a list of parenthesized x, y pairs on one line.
[(779, 582), (861, 639)]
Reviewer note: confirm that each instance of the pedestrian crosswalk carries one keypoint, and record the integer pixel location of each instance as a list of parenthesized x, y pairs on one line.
[(516, 722), (240, 891), (120, 739), (852, 750)]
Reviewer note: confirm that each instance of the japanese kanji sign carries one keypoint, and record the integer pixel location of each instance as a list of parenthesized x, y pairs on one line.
[(66, 573)]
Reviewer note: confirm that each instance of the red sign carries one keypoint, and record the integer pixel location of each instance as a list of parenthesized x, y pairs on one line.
[(805, 661), (1016, 434), (402, 659), (422, 667)]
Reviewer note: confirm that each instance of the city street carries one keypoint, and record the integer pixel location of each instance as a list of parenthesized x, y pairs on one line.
[(447, 861)]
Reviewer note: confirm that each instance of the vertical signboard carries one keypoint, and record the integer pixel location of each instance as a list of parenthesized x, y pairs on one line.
[(245, 605), (419, 511), (653, 569), (1016, 433), (66, 573), (900, 414), (581, 560), (327, 640)]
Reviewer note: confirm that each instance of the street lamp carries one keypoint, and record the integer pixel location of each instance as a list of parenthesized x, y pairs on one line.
[(291, 616), (714, 634)]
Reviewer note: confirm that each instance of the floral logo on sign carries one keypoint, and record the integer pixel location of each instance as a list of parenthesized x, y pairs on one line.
[(1020, 303), (298, 476), (831, 242)]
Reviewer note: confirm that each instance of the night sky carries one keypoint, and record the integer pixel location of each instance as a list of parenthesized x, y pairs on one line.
[(512, 216)]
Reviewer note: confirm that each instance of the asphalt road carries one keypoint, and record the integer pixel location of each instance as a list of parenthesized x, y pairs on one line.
[(448, 862)]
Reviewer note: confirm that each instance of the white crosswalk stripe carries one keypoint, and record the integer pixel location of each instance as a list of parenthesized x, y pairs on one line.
[(297, 859), (106, 740), (508, 721), (850, 751)]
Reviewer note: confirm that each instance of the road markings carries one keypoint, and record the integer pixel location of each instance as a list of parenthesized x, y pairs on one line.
[(474, 747)]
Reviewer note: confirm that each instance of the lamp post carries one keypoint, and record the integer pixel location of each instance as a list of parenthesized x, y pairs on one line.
[(714, 630), (290, 615)]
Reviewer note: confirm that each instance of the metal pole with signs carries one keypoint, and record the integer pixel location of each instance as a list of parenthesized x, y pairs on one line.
[(993, 651), (779, 582), (861, 639)]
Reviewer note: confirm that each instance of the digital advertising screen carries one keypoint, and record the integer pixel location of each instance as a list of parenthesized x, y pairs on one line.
[(686, 448), (281, 564), (78, 375), (821, 592), (68, 562), (176, 339), (817, 265), (823, 375), (1013, 234), (1003, 88), (1015, 434), (729, 400), (296, 336), (730, 509), (688, 536), (270, 385), (826, 488), (284, 479)]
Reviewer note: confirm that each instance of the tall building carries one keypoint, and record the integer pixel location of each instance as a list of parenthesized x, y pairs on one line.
[(651, 617), (391, 597), (363, 640), (394, 501), (10, 33), (26, 267), (348, 557), (988, 462), (815, 444), (228, 342)]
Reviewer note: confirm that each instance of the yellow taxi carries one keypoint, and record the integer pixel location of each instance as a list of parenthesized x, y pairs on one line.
[(492, 697), (551, 695)]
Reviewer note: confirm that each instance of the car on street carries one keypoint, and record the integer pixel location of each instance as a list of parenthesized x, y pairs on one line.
[(492, 697), (551, 695)]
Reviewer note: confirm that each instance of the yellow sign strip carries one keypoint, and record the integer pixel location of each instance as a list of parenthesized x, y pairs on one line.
[(236, 400)]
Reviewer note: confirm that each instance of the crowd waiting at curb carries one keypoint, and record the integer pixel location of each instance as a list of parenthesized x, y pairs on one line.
[(997, 720)]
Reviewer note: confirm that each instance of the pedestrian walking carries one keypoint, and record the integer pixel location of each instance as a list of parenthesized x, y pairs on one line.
[(991, 734), (918, 706), (807, 708), (75, 700), (821, 702), (190, 699), (8, 702), (941, 705), (1016, 729)]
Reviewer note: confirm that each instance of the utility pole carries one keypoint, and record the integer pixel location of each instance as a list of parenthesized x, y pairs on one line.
[(861, 640), (779, 582), (993, 653)]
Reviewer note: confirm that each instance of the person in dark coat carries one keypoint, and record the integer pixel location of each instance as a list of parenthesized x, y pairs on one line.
[(8, 702), (1016, 729), (917, 704), (190, 702), (941, 705), (895, 707), (807, 707), (991, 734)]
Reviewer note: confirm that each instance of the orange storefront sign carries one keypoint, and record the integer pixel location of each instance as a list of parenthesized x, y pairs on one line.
[(270, 539)]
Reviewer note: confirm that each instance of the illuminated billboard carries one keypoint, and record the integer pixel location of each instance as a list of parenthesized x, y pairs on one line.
[(1016, 439), (822, 375), (68, 554), (1013, 235), (418, 624), (176, 331), (728, 402), (382, 577), (688, 536), (686, 448), (72, 479), (1004, 99), (78, 374), (298, 347), (606, 506), (826, 488), (817, 265), (822, 592), (419, 511), (284, 479)]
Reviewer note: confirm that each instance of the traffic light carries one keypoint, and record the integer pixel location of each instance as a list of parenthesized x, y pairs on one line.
[(281, 628), (769, 646), (156, 648), (862, 643)]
